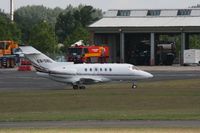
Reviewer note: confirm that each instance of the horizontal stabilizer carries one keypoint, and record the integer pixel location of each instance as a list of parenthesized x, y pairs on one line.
[(29, 50)]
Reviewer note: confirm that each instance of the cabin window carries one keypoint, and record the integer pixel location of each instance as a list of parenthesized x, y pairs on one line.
[(105, 69), (96, 69), (110, 69), (86, 69), (90, 69), (100, 69)]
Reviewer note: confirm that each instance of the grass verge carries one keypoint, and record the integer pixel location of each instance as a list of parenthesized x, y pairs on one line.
[(160, 100)]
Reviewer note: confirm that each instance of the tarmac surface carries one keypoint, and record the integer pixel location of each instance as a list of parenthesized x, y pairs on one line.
[(22, 80), (12, 80), (102, 124)]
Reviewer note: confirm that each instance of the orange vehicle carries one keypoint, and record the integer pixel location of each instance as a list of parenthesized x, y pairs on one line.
[(7, 57), (88, 54)]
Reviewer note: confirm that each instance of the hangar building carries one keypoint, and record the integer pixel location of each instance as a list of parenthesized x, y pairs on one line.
[(134, 35)]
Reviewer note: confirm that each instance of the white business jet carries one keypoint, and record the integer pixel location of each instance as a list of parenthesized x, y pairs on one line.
[(79, 75)]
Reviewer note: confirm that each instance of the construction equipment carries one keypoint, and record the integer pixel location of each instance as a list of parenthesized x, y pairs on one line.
[(165, 53), (7, 57), (80, 53)]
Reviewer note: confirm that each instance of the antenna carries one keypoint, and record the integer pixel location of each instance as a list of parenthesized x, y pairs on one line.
[(12, 10)]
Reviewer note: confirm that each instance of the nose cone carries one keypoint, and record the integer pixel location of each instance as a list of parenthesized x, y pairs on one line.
[(147, 75)]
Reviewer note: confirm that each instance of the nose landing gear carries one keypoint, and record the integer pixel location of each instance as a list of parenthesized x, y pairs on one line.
[(134, 86)]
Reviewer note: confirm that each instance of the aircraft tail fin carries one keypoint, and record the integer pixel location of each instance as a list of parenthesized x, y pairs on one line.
[(40, 61)]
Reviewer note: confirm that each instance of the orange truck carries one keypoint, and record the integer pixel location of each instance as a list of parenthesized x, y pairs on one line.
[(88, 54), (7, 57)]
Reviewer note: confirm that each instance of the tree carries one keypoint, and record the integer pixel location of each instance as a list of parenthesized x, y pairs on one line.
[(8, 29), (29, 16), (43, 37), (194, 41), (63, 22), (73, 18), (79, 33), (65, 25), (86, 15)]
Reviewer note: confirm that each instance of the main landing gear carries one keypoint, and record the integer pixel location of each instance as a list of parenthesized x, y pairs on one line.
[(76, 87)]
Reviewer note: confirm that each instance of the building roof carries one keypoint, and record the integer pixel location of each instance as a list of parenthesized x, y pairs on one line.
[(149, 18), (147, 22)]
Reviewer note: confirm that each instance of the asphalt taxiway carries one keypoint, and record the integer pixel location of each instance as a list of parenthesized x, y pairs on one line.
[(10, 79), (23, 80)]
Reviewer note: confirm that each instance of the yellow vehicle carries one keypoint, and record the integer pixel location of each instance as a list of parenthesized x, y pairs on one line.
[(7, 57)]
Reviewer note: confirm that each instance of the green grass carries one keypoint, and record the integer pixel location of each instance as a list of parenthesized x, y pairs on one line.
[(160, 100)]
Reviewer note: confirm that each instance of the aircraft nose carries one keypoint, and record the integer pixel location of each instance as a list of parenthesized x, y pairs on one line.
[(147, 75)]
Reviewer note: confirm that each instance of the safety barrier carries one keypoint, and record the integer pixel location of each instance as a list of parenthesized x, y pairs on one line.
[(25, 65), (24, 68)]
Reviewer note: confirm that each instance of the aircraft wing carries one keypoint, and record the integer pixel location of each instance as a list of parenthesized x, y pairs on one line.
[(89, 80), (71, 77)]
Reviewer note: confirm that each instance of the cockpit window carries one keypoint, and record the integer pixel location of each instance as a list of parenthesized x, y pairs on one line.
[(133, 67)]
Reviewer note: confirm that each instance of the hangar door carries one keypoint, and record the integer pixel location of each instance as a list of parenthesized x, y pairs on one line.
[(137, 48)]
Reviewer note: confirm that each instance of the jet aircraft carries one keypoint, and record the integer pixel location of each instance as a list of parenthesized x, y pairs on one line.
[(79, 75)]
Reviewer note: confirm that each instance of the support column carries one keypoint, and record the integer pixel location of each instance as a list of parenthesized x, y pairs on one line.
[(114, 49), (152, 57), (183, 39), (121, 47), (187, 41)]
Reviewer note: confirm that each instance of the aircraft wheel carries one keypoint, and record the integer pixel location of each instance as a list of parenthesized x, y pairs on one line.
[(134, 86), (82, 87), (75, 87)]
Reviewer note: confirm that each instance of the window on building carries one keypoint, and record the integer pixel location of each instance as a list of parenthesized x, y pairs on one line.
[(124, 13), (153, 12), (184, 12)]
